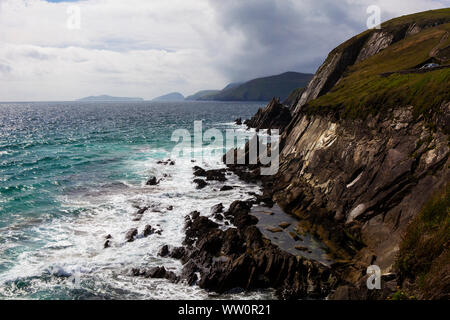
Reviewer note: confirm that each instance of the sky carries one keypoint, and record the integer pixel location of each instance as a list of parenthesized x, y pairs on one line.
[(65, 50)]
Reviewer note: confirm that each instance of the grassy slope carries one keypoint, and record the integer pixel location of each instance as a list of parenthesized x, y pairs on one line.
[(424, 255), (363, 90), (264, 89), (202, 95)]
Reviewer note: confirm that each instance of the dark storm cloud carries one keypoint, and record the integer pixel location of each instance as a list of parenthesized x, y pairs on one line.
[(285, 35)]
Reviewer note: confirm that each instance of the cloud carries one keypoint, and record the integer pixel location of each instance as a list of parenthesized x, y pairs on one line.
[(150, 47)]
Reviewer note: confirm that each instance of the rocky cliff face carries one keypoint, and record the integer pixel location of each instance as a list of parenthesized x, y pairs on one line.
[(274, 116), (357, 183), (368, 176)]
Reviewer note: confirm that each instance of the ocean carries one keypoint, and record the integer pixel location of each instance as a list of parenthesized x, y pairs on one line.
[(72, 173)]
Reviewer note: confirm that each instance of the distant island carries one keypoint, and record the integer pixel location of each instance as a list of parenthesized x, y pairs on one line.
[(259, 89), (202, 95), (109, 98), (173, 96)]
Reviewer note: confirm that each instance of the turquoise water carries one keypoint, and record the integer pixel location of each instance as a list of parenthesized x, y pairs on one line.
[(71, 173)]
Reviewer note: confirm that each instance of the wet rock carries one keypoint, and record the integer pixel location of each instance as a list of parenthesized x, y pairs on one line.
[(274, 116), (217, 208), (294, 236), (274, 229), (284, 225), (108, 236), (156, 272), (107, 244), (166, 162), (177, 253), (214, 174), (242, 258), (142, 210), (226, 188), (152, 181), (238, 121), (170, 208), (200, 183), (131, 234), (303, 248), (148, 230), (164, 252), (194, 214), (218, 216)]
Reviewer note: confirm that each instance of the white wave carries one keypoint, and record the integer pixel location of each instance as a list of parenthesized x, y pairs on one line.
[(77, 242)]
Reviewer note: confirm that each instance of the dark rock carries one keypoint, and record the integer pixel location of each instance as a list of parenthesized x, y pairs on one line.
[(238, 121), (152, 181), (170, 208), (217, 208), (200, 183), (218, 216), (302, 248), (199, 226), (108, 236), (107, 244), (294, 236), (148, 230), (195, 214), (274, 229), (131, 234), (214, 174), (226, 188), (274, 116), (242, 258), (156, 272), (177, 253), (284, 225), (142, 210), (164, 252)]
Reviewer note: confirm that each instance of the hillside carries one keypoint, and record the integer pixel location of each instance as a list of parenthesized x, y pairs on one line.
[(202, 95), (384, 69), (173, 96), (364, 162), (261, 89)]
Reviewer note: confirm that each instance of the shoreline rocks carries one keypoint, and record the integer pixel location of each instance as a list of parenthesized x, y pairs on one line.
[(243, 258)]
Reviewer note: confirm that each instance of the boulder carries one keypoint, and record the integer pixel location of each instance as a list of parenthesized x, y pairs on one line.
[(200, 183), (131, 234), (152, 181)]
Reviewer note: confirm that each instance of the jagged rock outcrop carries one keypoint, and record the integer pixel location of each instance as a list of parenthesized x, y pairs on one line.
[(292, 100), (274, 116), (243, 258), (371, 176), (357, 179)]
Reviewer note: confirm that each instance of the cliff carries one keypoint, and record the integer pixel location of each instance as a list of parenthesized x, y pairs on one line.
[(365, 151), (371, 42)]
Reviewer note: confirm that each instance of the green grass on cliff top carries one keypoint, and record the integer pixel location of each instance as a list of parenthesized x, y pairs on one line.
[(363, 89)]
